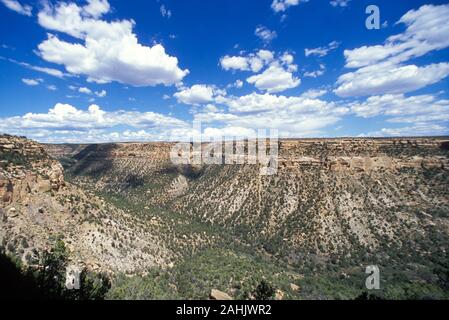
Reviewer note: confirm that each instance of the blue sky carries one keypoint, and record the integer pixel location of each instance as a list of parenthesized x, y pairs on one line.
[(99, 70)]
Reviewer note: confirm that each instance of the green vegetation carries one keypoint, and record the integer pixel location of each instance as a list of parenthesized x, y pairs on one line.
[(264, 291), (240, 274), (14, 158)]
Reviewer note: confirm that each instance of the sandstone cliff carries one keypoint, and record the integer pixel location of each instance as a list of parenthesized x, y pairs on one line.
[(328, 197), (38, 206)]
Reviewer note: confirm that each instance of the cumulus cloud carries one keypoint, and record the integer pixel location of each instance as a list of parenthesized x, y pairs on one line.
[(234, 63), (252, 62), (422, 114), (65, 122), (309, 115), (274, 79), (322, 51), (265, 34), (296, 116), (84, 90), (402, 108), (198, 94), (382, 68), (427, 30), (278, 75), (256, 102), (18, 7), (97, 8), (382, 79), (106, 51)]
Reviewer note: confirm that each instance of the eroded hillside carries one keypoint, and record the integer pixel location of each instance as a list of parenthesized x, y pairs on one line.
[(37, 206), (328, 195), (334, 207)]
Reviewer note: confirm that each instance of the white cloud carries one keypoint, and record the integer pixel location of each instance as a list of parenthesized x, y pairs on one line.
[(254, 61), (313, 94), (293, 116), (229, 131), (382, 79), (234, 63), (97, 8), (411, 131), (65, 122), (238, 84), (52, 87), (282, 5), (274, 79), (382, 68), (339, 3), (402, 108), (108, 51), (427, 30), (422, 114), (17, 7), (255, 102), (84, 90), (278, 75), (265, 34), (88, 91), (32, 82), (322, 51), (198, 94)]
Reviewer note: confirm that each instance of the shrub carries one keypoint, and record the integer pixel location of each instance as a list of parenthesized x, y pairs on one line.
[(264, 291)]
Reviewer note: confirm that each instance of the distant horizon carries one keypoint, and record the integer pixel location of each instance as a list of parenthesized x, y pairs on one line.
[(442, 137)]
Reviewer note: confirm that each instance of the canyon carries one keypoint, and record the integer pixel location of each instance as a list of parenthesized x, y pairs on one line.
[(334, 207)]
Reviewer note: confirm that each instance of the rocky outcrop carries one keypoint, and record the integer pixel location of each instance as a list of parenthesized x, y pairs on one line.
[(38, 205), (6, 189), (364, 155), (26, 169), (219, 295)]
